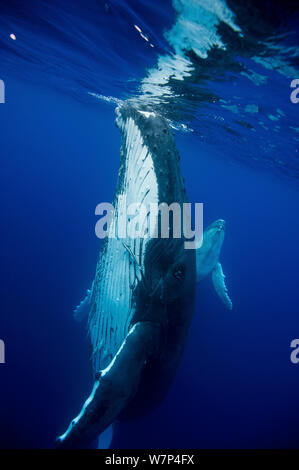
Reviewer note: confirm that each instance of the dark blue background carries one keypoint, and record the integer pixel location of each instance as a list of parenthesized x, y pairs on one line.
[(236, 385)]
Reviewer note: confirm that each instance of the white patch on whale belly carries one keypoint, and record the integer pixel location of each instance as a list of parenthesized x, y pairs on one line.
[(117, 273)]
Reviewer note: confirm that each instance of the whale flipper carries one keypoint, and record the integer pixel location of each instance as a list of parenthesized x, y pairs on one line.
[(114, 386), (218, 278), (82, 310)]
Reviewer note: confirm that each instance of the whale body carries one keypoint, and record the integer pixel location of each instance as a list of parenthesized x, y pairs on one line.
[(142, 297)]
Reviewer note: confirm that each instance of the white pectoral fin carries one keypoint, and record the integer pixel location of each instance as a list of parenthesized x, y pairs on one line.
[(114, 387), (219, 283), (82, 310)]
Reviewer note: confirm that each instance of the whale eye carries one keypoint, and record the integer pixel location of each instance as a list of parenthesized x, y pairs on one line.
[(179, 272)]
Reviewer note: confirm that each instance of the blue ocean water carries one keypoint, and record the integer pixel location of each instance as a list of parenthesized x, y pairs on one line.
[(225, 89)]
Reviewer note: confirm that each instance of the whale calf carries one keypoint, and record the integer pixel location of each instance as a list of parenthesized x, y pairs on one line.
[(207, 260)]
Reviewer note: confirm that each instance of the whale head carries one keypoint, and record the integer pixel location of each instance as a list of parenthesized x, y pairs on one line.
[(214, 234), (207, 254)]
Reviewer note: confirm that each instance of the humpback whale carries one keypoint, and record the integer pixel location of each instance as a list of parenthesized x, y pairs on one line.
[(141, 301)]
